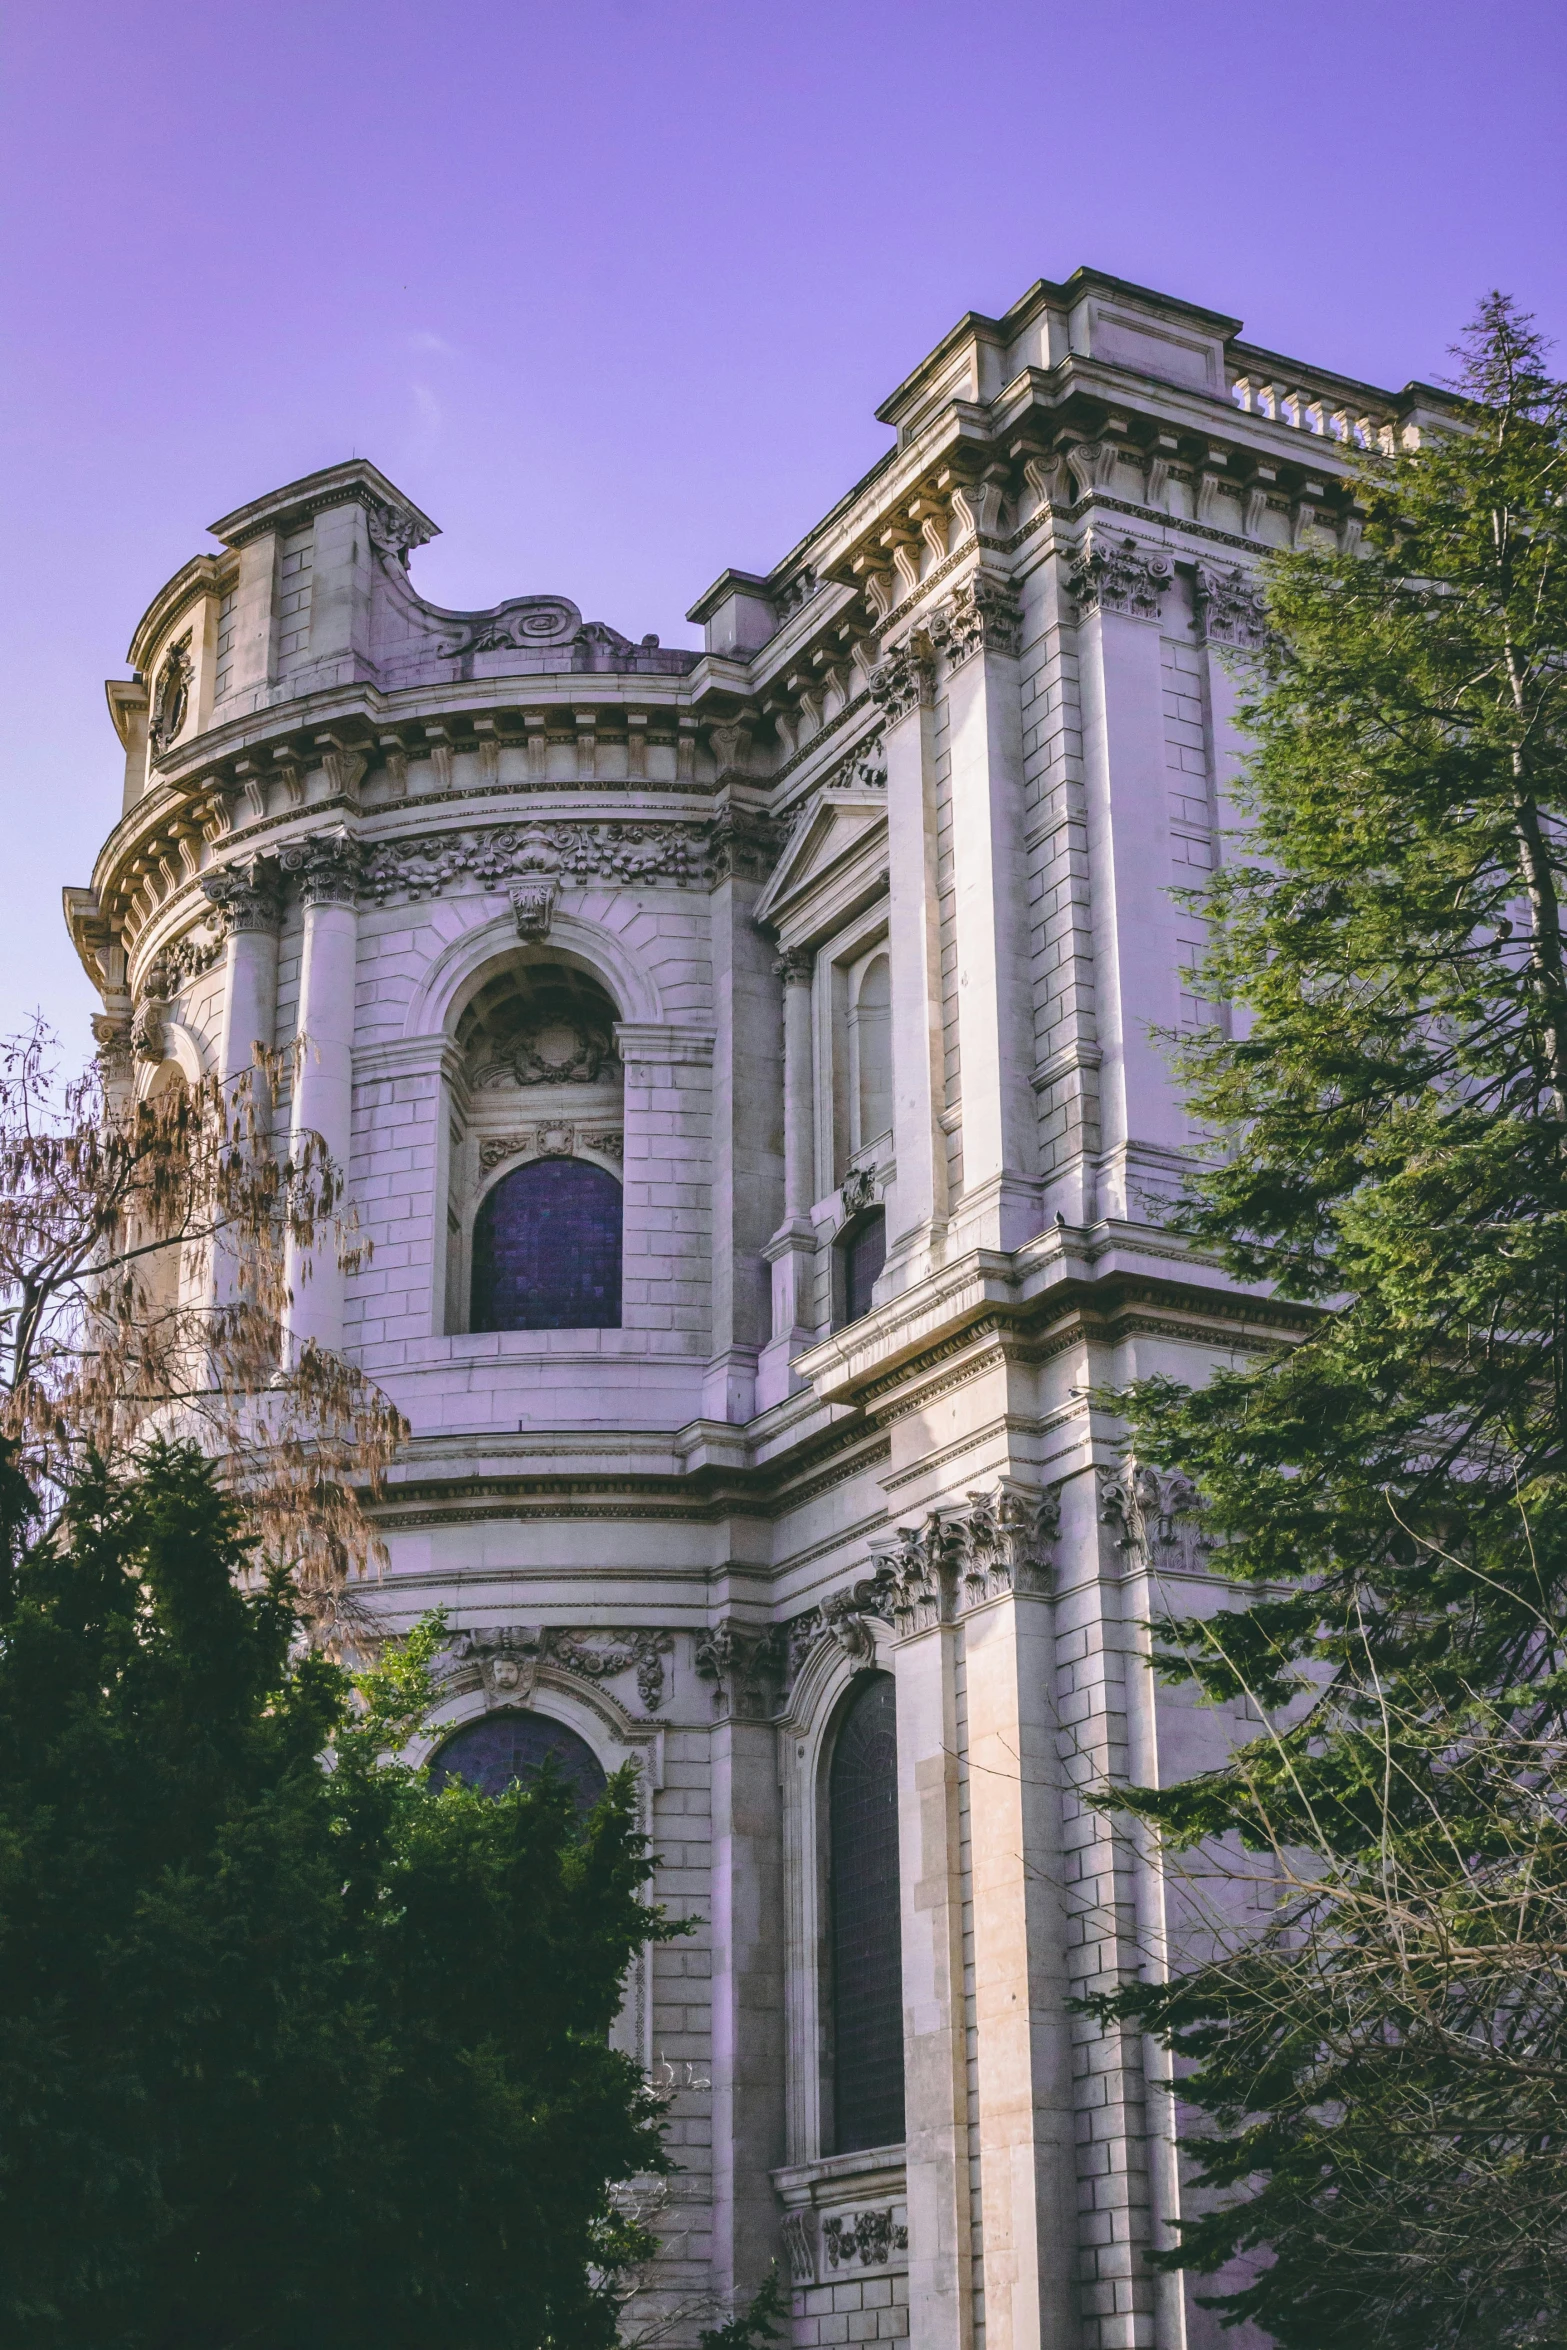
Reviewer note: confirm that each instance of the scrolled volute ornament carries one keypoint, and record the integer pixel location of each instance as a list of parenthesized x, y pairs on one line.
[(327, 865), (245, 894), (1158, 1514), (1119, 575), (1231, 607)]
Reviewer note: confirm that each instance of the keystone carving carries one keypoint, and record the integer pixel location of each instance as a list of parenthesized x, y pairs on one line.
[(1230, 607), (550, 1142), (858, 1192), (1119, 575), (537, 885), (149, 1033)]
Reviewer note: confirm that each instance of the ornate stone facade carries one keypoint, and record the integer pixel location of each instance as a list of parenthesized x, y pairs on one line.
[(840, 946)]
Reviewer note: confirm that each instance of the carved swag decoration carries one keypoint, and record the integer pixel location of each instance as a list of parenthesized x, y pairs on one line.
[(507, 1658), (864, 2239)]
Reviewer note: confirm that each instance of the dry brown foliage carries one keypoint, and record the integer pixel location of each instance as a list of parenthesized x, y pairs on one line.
[(143, 1289)]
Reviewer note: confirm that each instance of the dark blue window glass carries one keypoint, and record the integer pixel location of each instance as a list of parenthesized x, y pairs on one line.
[(866, 1929), (864, 1252), (511, 1745), (546, 1250)]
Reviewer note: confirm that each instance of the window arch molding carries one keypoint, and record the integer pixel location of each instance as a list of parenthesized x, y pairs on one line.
[(461, 968), (613, 1737), (822, 1691)]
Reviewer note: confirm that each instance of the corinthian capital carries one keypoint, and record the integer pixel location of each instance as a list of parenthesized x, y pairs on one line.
[(327, 864), (245, 894), (1230, 608), (1119, 575), (980, 616), (904, 680)]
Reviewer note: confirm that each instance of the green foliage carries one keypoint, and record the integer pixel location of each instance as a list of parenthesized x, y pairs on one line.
[(1379, 2070), (753, 2327), (292, 2050)]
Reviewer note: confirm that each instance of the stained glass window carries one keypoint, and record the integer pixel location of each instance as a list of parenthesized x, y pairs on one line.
[(866, 1933), (546, 1249), (511, 1744)]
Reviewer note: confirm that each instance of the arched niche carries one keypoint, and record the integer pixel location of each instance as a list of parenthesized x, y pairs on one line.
[(536, 1143), (870, 1031)]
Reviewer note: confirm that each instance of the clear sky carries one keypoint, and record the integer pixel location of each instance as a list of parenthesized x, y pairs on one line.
[(611, 287)]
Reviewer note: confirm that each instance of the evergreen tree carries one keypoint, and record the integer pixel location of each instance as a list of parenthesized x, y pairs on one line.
[(1380, 2071), (293, 2051)]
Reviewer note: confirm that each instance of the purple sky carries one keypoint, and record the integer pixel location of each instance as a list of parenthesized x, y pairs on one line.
[(612, 287)]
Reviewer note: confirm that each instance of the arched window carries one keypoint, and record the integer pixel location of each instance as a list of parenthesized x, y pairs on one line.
[(511, 1745), (873, 1054), (862, 1252), (866, 1933), (546, 1249)]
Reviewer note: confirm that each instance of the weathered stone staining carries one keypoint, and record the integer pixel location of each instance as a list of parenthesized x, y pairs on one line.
[(836, 952)]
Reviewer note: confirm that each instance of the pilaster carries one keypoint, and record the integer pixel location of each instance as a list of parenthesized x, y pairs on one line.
[(327, 865), (1117, 586), (917, 1201), (936, 2115), (748, 1949), (978, 630), (748, 1148), (791, 1252)]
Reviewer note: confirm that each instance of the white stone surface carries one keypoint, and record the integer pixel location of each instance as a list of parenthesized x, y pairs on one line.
[(970, 735)]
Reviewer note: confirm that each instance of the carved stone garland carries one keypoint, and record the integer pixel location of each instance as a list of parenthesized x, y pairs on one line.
[(507, 1658)]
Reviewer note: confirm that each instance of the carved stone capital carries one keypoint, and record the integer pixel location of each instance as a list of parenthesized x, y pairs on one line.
[(327, 864), (245, 894), (112, 1038), (904, 680), (1006, 1542), (745, 1663), (981, 616), (1230, 607), (1119, 575), (795, 967), (744, 844), (1157, 1514)]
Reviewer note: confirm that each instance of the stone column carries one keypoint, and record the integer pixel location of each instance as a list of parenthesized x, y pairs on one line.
[(1117, 585), (1027, 2118), (327, 865), (246, 895), (792, 1250), (935, 2088), (748, 1944), (917, 1200), (979, 629)]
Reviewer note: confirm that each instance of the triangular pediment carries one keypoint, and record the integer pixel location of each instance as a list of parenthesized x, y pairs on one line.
[(845, 830)]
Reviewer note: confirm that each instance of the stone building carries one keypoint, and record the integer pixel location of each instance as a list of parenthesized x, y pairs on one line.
[(743, 1062)]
